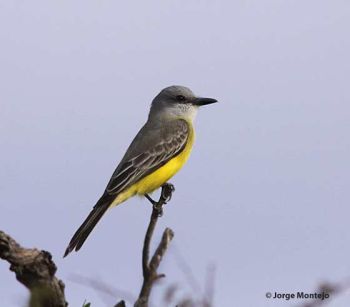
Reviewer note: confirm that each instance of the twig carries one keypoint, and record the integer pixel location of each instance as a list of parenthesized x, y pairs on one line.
[(36, 271), (150, 268)]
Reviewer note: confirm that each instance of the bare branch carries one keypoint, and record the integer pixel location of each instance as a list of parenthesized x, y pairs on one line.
[(168, 235), (36, 270), (150, 268), (147, 242)]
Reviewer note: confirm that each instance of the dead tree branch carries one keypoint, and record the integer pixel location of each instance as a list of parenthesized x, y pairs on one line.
[(36, 270), (150, 267)]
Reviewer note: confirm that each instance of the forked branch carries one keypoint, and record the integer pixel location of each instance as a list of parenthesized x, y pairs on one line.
[(150, 267)]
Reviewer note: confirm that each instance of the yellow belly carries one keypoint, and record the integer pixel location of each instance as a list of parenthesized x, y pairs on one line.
[(160, 176)]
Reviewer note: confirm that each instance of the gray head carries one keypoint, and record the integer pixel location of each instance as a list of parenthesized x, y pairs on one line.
[(177, 101)]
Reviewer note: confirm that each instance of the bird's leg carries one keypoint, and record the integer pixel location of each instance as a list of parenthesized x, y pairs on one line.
[(165, 196), (153, 202), (157, 205)]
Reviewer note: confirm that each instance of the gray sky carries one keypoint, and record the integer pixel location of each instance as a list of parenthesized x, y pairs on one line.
[(265, 195)]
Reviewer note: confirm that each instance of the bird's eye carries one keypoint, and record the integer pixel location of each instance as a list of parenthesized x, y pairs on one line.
[(180, 98)]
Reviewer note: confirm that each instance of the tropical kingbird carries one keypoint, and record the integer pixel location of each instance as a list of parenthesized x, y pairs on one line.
[(157, 153)]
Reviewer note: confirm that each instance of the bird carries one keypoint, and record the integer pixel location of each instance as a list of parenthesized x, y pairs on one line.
[(158, 151)]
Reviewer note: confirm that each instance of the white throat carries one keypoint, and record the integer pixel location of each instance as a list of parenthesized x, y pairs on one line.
[(187, 112)]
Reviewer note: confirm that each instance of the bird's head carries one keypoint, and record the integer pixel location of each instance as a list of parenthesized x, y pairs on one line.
[(177, 101)]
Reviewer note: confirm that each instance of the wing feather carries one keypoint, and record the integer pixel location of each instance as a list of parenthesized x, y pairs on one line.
[(142, 158)]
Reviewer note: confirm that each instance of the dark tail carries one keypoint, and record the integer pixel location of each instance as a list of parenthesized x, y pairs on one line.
[(90, 222)]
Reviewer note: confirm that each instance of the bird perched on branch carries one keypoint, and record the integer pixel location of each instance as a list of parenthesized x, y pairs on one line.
[(156, 154)]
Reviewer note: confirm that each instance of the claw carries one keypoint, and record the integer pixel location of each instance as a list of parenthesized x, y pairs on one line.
[(165, 196), (167, 191), (170, 186)]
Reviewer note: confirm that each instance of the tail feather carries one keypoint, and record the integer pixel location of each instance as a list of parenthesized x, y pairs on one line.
[(88, 225)]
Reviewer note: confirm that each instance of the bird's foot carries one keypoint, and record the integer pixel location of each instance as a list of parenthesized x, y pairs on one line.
[(165, 197), (167, 192)]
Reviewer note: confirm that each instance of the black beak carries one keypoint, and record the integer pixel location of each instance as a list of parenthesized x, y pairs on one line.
[(200, 101)]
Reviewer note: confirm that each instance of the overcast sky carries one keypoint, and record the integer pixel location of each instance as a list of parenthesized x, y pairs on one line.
[(265, 195)]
